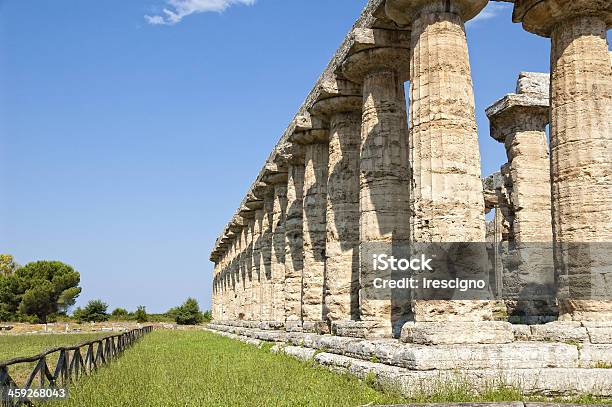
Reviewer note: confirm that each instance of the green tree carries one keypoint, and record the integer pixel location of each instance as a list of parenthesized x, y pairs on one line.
[(9, 297), (120, 312), (141, 314), (8, 265), (94, 311), (40, 289), (188, 313)]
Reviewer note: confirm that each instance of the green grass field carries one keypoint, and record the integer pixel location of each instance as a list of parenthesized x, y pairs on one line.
[(197, 368), (170, 368), (13, 346)]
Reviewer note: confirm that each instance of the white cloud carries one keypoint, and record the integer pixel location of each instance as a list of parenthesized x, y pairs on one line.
[(179, 9), (492, 10)]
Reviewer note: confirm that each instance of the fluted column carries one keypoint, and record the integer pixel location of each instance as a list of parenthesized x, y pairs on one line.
[(243, 273), (316, 158), (266, 254), (294, 250), (447, 201), (580, 137), (248, 266), (384, 177), (343, 110), (278, 251), (519, 121), (258, 269)]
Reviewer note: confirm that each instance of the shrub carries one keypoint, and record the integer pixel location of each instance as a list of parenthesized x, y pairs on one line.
[(141, 314), (120, 312), (94, 311), (188, 313)]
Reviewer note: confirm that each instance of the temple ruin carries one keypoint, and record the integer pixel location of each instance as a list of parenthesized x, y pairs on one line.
[(355, 170)]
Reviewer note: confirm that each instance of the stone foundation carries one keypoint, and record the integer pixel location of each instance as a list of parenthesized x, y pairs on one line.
[(556, 366)]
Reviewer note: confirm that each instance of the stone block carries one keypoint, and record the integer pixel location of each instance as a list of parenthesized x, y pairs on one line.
[(437, 333), (304, 354), (362, 329), (560, 331), (595, 356)]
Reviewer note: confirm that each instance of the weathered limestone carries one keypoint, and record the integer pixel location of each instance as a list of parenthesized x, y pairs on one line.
[(258, 268), (343, 111), (249, 304), (581, 116), (278, 249), (519, 121), (384, 175), (447, 202), (314, 138), (294, 250), (266, 253)]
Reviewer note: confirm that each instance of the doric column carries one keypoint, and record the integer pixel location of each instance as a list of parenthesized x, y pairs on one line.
[(248, 216), (580, 137), (519, 121), (249, 267), (258, 269), (215, 294), (267, 193), (276, 176), (242, 271), (316, 154), (340, 103), (447, 201), (294, 250), (384, 176), (232, 269)]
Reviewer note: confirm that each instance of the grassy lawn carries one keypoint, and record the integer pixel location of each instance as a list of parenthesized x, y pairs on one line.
[(201, 369), (13, 346), (197, 368)]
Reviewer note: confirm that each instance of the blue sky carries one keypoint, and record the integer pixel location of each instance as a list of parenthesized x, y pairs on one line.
[(128, 135)]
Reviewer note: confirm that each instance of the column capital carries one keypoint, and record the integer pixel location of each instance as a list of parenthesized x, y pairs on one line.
[(274, 173), (368, 38), (528, 109), (290, 154), (357, 66), (246, 213), (404, 12), (541, 16), (310, 129), (236, 224)]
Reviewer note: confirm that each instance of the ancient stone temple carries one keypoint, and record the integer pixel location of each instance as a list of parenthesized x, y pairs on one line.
[(357, 171)]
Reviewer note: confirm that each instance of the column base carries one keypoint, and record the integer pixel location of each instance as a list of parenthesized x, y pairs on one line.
[(455, 332)]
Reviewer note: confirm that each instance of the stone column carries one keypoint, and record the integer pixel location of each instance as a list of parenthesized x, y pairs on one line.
[(519, 121), (232, 270), (258, 269), (266, 254), (447, 199), (278, 253), (581, 158), (243, 273), (342, 107), (249, 268), (316, 157), (384, 178), (294, 250)]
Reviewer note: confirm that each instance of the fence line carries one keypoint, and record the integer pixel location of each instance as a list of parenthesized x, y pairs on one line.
[(70, 366)]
